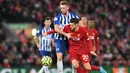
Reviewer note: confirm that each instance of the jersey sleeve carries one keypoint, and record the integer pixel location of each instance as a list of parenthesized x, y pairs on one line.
[(74, 15), (39, 32), (51, 32), (57, 19)]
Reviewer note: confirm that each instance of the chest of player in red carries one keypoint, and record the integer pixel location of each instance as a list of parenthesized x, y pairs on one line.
[(92, 34)]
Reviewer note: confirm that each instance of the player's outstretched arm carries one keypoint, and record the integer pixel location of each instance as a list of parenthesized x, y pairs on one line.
[(49, 32)]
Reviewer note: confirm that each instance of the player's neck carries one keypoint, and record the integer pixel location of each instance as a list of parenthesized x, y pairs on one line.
[(67, 14)]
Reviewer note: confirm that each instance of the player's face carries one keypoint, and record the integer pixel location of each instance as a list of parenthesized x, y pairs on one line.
[(73, 26), (91, 23), (47, 23), (64, 9), (84, 19)]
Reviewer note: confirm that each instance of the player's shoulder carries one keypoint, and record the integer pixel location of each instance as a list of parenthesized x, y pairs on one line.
[(58, 14), (72, 13)]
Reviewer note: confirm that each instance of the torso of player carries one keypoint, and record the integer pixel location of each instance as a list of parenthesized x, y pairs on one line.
[(45, 42), (77, 40), (92, 34)]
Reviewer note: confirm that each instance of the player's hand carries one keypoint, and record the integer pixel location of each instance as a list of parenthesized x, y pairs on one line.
[(68, 35), (44, 34), (93, 53), (38, 46)]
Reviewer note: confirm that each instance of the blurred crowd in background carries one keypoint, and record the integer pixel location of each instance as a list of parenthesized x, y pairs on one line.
[(112, 20)]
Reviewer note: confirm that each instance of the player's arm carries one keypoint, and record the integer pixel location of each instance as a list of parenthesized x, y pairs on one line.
[(90, 47), (39, 32), (57, 22), (58, 30), (49, 32), (97, 43), (36, 41)]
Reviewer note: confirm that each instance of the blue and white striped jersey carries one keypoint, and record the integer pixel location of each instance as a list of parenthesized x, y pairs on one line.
[(45, 42), (62, 21)]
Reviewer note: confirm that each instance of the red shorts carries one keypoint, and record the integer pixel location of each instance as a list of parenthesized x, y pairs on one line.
[(79, 55)]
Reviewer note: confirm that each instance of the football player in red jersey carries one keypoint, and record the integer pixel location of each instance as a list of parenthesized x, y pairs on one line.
[(93, 35), (80, 47)]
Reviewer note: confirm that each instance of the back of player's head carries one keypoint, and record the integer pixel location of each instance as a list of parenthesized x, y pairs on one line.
[(74, 20), (64, 2)]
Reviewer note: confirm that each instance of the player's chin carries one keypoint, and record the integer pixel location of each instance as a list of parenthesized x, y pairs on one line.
[(64, 13)]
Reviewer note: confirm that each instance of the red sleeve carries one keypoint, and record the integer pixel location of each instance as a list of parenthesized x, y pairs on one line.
[(97, 42), (51, 32)]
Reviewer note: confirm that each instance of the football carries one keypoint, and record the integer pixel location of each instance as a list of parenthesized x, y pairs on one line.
[(34, 31), (46, 60)]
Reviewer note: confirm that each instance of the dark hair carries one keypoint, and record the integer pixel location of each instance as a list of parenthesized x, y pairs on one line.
[(74, 20), (47, 18), (64, 2)]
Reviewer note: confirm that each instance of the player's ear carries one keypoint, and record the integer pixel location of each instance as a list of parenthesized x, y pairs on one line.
[(44, 22), (50, 22)]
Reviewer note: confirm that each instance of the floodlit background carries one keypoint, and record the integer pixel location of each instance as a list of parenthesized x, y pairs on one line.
[(19, 54)]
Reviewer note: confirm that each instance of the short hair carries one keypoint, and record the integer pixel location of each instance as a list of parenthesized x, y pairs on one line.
[(47, 18), (64, 2), (74, 20)]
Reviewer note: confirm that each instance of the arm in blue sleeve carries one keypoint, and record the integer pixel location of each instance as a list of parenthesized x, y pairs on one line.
[(39, 32), (57, 19)]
